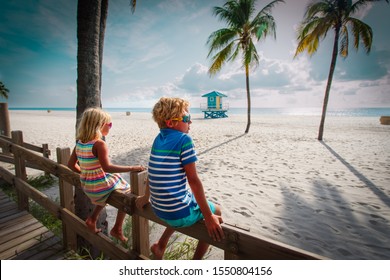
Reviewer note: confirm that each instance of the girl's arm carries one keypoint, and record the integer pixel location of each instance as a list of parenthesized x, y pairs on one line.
[(212, 221), (73, 162), (100, 150)]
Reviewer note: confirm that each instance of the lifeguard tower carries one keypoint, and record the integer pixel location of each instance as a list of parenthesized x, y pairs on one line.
[(214, 107)]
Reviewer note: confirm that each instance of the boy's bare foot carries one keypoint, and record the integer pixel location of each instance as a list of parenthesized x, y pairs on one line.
[(119, 236), (157, 251), (92, 226)]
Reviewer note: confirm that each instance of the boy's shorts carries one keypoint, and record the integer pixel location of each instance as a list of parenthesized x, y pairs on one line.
[(195, 216)]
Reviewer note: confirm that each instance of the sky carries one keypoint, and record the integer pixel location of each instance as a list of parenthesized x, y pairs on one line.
[(161, 50)]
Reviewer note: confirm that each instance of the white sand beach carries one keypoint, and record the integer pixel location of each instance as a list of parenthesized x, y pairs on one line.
[(331, 198)]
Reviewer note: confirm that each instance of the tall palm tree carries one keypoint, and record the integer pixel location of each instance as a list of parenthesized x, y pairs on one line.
[(3, 91), (319, 18), (244, 26), (91, 25)]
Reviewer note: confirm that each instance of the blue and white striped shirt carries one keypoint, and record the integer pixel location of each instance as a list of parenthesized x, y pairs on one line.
[(170, 197)]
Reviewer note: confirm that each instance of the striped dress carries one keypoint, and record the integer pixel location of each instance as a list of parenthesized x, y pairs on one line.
[(170, 197), (96, 183)]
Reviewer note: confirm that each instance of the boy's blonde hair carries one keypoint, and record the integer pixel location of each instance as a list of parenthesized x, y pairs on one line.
[(168, 108), (91, 122)]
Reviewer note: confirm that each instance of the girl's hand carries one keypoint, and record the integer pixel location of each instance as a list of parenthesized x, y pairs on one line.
[(138, 168), (141, 201)]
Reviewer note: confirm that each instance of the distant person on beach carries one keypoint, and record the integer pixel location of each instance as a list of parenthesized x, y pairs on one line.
[(90, 159), (171, 164)]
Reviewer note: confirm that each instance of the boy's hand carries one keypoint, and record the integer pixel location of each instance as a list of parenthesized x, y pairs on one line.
[(141, 201), (213, 225)]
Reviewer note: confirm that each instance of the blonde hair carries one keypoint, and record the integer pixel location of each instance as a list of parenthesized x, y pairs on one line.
[(168, 108), (91, 122)]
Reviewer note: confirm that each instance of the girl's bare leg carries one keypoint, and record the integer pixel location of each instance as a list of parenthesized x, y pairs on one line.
[(91, 221), (158, 248), (117, 231)]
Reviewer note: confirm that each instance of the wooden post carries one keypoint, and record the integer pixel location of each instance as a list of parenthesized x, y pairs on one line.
[(46, 154), (140, 228), (67, 201), (20, 170), (5, 128)]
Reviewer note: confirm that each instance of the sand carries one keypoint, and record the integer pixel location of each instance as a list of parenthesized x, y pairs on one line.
[(331, 198)]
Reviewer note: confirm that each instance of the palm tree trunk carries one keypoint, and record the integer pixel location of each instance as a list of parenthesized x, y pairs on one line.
[(103, 20), (88, 55), (90, 35), (248, 98), (329, 84)]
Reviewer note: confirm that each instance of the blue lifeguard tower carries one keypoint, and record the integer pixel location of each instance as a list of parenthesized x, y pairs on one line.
[(214, 107)]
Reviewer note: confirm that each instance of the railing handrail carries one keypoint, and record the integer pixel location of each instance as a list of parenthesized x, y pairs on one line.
[(238, 244)]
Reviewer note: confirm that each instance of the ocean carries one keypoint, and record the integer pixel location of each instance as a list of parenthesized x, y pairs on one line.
[(346, 112)]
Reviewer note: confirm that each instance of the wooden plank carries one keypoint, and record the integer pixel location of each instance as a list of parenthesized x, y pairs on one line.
[(17, 227), (8, 213), (247, 246), (43, 251), (33, 234), (6, 206), (19, 230), (14, 218), (23, 246)]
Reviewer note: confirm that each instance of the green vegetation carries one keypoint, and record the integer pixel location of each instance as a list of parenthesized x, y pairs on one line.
[(182, 250)]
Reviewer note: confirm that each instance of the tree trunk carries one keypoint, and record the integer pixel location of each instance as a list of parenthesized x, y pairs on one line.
[(88, 55), (91, 22), (248, 98), (329, 83)]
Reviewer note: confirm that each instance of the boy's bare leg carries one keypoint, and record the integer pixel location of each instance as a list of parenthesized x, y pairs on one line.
[(201, 250), (158, 248), (117, 231), (91, 221)]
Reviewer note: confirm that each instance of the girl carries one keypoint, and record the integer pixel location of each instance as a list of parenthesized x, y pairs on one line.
[(90, 159)]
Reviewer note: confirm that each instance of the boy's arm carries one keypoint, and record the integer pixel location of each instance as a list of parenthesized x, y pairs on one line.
[(212, 221)]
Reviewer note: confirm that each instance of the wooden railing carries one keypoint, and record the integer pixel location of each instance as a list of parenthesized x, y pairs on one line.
[(238, 244)]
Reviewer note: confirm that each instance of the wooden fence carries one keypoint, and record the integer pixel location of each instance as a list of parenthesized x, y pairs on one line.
[(238, 244)]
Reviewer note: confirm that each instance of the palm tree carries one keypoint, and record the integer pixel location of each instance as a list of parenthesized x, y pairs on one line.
[(320, 17), (91, 25), (243, 28), (3, 91)]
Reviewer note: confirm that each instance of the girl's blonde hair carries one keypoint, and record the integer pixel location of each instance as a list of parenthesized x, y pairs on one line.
[(168, 108), (91, 122)]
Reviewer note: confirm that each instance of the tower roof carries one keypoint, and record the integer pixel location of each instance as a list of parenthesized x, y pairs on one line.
[(214, 94)]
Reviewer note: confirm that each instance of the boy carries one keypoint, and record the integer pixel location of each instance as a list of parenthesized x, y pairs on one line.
[(171, 164)]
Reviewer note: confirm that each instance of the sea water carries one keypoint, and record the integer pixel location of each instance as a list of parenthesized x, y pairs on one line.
[(309, 111)]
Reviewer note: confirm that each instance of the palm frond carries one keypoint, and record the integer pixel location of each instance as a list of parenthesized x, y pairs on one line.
[(3, 91), (133, 4), (362, 31), (220, 58), (344, 42), (219, 39)]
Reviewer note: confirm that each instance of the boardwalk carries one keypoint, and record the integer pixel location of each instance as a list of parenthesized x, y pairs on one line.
[(22, 237)]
